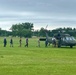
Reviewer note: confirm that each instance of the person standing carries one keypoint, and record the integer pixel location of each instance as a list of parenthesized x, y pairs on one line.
[(20, 41), (54, 42), (38, 42), (59, 39), (38, 45), (5, 42), (46, 43), (11, 42), (26, 42)]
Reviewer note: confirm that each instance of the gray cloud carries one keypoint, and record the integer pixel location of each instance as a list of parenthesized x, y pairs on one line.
[(42, 12)]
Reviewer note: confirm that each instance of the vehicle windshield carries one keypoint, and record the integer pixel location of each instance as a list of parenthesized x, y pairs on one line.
[(70, 38), (73, 38)]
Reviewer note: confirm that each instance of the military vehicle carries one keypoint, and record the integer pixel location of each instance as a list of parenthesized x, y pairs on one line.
[(66, 40), (61, 39)]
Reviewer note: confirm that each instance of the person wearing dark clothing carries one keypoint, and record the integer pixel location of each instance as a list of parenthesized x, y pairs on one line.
[(20, 41), (5, 42), (59, 39), (26, 42), (11, 42), (46, 43)]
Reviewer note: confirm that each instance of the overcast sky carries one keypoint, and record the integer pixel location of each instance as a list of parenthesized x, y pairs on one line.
[(54, 13)]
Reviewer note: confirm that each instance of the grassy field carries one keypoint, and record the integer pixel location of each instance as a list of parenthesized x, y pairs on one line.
[(36, 61)]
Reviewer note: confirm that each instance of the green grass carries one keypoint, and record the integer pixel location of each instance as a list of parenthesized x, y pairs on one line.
[(36, 61)]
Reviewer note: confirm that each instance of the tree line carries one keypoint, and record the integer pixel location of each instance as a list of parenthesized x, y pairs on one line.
[(27, 30)]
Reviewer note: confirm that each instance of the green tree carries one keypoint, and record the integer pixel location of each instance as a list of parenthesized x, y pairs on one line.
[(24, 29)]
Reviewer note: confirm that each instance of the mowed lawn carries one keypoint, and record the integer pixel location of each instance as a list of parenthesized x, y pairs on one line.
[(36, 61)]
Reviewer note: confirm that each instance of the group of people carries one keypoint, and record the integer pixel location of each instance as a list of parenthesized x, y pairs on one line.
[(56, 40), (5, 42), (20, 41), (11, 42)]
